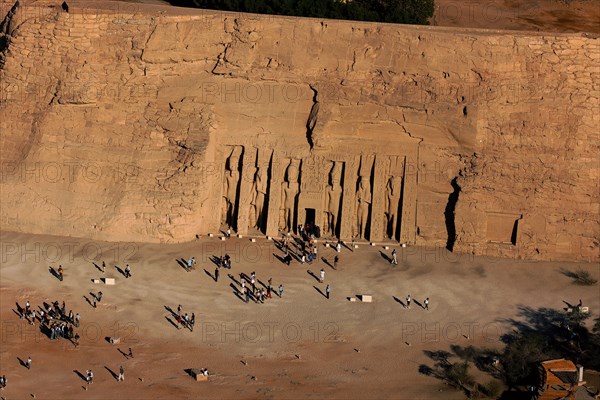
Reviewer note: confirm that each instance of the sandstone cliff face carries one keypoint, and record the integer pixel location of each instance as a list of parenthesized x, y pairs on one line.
[(120, 124)]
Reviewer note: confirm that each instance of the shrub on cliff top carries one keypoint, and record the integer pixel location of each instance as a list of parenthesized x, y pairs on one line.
[(393, 11)]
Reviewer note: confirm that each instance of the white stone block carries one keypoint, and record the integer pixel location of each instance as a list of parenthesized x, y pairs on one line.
[(223, 238), (210, 235), (109, 281), (356, 246), (253, 240), (373, 244), (240, 236), (386, 247), (352, 299), (199, 376), (326, 244), (585, 309), (96, 280), (114, 340), (366, 298)]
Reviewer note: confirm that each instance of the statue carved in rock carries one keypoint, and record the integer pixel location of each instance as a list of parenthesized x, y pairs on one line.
[(363, 197), (332, 200), (391, 209), (259, 193), (289, 192), (230, 185)]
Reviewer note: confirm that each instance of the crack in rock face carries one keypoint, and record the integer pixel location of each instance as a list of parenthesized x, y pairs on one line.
[(312, 118)]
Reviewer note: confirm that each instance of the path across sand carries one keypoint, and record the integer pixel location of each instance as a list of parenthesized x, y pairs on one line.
[(299, 346)]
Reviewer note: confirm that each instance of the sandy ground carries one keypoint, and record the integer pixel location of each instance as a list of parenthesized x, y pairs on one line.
[(522, 15), (298, 346)]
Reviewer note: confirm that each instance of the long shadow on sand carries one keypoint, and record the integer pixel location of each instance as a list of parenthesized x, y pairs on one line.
[(114, 374), (82, 376), (320, 291)]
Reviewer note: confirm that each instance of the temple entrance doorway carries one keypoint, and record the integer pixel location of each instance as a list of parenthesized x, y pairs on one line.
[(310, 217)]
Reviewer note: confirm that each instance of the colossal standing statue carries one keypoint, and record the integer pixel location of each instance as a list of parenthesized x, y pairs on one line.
[(230, 184), (290, 190), (391, 210), (333, 197), (259, 193), (363, 196)]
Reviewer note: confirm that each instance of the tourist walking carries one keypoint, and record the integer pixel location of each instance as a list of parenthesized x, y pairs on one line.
[(103, 267), (394, 257), (190, 264), (270, 282), (338, 246), (127, 271), (280, 290), (322, 275), (192, 322), (130, 353), (77, 320), (327, 290), (217, 274), (179, 309), (336, 259), (60, 273), (2, 382), (28, 363), (99, 296), (315, 257), (89, 376), (121, 374), (426, 303), (408, 301)]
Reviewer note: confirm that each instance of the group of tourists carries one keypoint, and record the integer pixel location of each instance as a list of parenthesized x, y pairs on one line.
[(59, 323), (251, 290), (425, 304), (185, 320), (225, 261)]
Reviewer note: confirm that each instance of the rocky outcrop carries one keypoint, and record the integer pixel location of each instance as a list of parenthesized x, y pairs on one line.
[(119, 124)]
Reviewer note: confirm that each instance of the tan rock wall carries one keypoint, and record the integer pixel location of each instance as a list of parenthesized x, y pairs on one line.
[(117, 124)]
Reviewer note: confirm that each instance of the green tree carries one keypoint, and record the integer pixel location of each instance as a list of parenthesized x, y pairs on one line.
[(393, 11)]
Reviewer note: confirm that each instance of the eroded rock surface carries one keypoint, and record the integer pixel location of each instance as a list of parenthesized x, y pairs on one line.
[(147, 123)]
